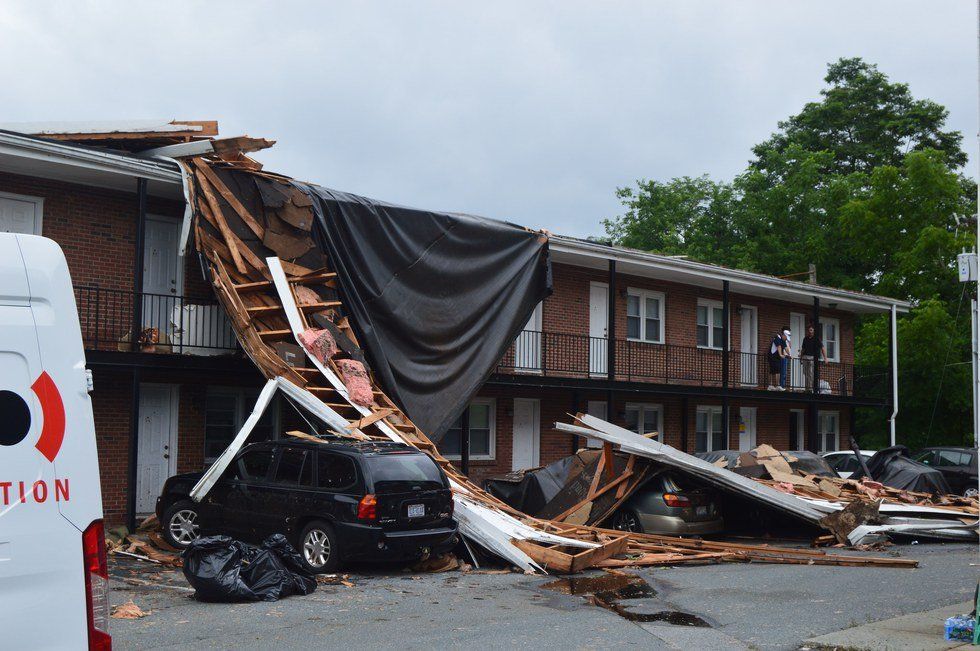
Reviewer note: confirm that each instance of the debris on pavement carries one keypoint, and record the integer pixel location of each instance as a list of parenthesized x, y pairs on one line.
[(436, 564), (128, 610)]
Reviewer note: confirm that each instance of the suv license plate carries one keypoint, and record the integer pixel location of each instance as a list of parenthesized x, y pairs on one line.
[(701, 511), (416, 510)]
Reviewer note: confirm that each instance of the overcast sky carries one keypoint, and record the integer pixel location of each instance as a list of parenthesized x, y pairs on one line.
[(532, 112)]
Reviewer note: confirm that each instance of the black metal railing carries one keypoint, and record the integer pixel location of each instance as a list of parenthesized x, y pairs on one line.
[(581, 356), (170, 323)]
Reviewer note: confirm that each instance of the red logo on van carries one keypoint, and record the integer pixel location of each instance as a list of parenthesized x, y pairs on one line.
[(53, 410)]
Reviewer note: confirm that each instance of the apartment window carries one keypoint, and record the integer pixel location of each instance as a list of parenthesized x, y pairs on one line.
[(708, 431), (831, 338), (483, 432), (829, 428), (644, 419), (645, 316), (225, 411), (710, 324)]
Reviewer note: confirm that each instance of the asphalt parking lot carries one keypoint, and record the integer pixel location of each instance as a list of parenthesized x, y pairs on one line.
[(742, 605)]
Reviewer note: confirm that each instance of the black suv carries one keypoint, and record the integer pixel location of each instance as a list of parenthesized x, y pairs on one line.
[(336, 501), (957, 464)]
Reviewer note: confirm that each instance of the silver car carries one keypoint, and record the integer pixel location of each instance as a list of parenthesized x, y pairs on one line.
[(663, 505)]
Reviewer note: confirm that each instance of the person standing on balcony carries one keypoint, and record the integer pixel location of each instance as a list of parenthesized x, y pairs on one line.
[(810, 349), (787, 353), (778, 349)]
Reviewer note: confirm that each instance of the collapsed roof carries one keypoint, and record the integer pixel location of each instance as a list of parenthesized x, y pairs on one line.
[(289, 261)]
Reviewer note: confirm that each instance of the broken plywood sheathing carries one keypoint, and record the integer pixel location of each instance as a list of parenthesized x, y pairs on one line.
[(526, 542)]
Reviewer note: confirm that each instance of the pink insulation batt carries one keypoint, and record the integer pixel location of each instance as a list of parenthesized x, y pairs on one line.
[(357, 382), (320, 343)]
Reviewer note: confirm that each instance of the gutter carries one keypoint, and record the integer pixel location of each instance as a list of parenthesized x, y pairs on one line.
[(58, 152), (570, 245)]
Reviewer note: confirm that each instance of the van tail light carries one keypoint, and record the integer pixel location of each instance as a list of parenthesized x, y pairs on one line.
[(367, 508), (673, 499), (96, 571)]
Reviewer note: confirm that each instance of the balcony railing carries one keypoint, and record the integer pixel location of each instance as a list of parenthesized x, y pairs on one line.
[(182, 326), (580, 356)]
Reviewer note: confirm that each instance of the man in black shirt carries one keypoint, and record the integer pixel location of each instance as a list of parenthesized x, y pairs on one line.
[(809, 349)]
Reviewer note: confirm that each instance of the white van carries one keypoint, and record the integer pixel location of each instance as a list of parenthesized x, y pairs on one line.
[(53, 573)]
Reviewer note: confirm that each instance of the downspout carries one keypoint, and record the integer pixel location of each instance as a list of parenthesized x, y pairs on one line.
[(137, 324), (894, 338), (185, 226)]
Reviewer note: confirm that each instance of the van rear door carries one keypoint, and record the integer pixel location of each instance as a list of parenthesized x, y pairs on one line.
[(42, 582)]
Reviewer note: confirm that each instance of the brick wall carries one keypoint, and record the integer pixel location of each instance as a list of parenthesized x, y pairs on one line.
[(95, 227), (112, 405), (567, 309)]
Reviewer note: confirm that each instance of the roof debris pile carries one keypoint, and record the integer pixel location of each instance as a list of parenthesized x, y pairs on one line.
[(872, 507), (257, 236)]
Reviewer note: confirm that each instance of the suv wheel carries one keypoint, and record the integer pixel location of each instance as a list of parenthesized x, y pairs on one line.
[(318, 547), (181, 524), (970, 492), (627, 520)]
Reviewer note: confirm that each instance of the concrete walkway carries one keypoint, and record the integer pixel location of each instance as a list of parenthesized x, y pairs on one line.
[(921, 631)]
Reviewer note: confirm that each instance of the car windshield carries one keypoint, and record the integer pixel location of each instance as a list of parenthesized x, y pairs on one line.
[(403, 471)]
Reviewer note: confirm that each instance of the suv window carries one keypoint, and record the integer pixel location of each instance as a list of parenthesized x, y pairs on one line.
[(392, 472), (850, 464), (254, 464), (835, 461), (293, 468), (335, 471), (926, 458), (953, 458)]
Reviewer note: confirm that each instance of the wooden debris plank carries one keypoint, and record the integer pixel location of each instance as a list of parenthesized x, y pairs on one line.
[(218, 218), (210, 181), (370, 420), (630, 462), (591, 497)]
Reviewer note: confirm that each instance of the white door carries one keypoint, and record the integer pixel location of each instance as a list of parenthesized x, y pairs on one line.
[(19, 216), (527, 434), (598, 327), (156, 456), (162, 273), (527, 348), (599, 409), (746, 429), (750, 345), (797, 328)]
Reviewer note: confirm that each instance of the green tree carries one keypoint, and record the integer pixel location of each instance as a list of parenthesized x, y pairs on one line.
[(867, 184), (865, 120)]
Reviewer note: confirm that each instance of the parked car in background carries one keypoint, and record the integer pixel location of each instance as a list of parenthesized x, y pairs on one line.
[(335, 501), (845, 463), (957, 464), (666, 505)]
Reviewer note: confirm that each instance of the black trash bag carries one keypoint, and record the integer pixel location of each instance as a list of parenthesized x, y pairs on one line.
[(276, 571), (213, 567), (221, 569)]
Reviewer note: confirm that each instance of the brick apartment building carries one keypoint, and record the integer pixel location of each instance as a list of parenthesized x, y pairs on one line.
[(675, 364)]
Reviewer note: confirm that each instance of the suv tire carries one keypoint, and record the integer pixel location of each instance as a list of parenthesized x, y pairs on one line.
[(181, 523), (318, 547)]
